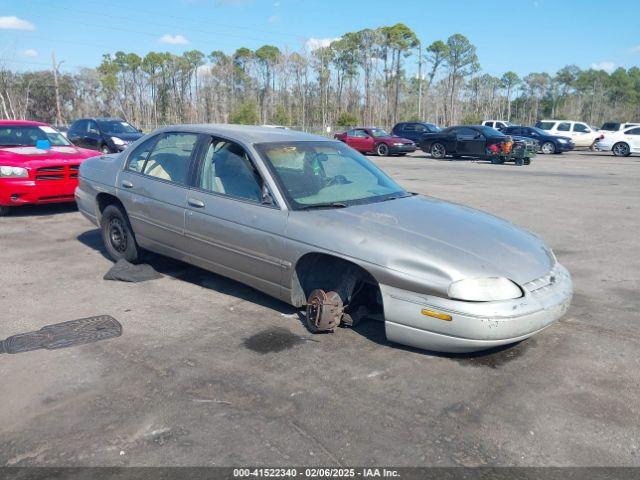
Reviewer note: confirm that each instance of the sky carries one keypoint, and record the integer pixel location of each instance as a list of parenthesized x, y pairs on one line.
[(520, 35)]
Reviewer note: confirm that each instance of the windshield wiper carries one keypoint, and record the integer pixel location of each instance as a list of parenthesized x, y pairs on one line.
[(324, 205)]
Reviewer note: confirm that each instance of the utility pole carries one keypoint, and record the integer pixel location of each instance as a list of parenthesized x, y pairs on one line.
[(56, 87), (420, 81)]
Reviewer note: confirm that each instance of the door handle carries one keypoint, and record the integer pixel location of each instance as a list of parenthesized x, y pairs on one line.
[(194, 202), (127, 184)]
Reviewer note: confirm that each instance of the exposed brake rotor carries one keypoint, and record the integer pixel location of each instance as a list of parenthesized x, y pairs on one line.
[(324, 311)]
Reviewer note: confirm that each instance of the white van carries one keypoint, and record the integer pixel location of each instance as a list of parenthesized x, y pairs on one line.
[(582, 134)]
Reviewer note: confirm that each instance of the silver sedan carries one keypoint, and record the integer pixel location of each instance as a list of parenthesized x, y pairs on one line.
[(312, 222)]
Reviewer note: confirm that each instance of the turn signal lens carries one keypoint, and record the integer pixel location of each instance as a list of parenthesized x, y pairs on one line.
[(438, 315)]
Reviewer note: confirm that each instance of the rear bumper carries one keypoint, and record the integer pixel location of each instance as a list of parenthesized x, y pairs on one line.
[(15, 192), (474, 325)]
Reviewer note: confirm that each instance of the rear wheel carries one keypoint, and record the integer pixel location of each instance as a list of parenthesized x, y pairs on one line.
[(438, 150), (117, 235), (621, 149), (548, 148), (382, 150), (4, 211)]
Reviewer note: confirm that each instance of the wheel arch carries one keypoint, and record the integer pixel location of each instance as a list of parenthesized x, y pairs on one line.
[(103, 200), (330, 272)]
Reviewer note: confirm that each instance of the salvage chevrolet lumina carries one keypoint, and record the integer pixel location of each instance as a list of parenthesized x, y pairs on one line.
[(311, 221)]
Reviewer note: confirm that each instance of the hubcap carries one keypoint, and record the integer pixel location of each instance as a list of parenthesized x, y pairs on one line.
[(437, 150), (620, 149), (382, 149), (547, 148), (117, 236)]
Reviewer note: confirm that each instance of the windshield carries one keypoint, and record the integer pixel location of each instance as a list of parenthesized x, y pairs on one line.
[(325, 173), (116, 126), (27, 136), (379, 132)]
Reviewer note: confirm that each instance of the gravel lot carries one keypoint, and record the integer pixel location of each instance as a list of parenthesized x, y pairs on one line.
[(210, 372)]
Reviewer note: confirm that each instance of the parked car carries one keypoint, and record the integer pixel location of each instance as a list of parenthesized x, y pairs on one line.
[(475, 141), (414, 130), (582, 134), (622, 143), (37, 164), (616, 127), (548, 143), (109, 135), (499, 125), (311, 221), (376, 140)]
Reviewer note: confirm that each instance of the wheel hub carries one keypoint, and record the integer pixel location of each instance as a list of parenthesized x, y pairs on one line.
[(117, 236), (324, 311)]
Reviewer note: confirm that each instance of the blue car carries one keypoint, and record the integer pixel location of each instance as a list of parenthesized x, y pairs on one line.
[(414, 131), (548, 143)]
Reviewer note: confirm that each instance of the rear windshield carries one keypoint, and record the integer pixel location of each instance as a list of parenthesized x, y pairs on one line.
[(612, 127), (545, 125)]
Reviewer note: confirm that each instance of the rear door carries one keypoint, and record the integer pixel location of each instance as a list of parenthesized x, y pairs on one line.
[(153, 188), (232, 225)]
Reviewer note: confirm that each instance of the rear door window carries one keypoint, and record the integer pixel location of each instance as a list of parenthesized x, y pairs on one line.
[(564, 127), (545, 125)]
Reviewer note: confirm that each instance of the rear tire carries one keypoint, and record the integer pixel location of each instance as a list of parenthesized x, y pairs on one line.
[(621, 149), (118, 236), (4, 211), (438, 151), (382, 150), (548, 148)]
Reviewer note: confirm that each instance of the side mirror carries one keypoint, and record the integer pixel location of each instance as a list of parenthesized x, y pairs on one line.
[(267, 199)]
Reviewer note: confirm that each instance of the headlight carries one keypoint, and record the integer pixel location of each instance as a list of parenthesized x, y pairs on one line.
[(484, 289), (118, 141), (398, 144), (13, 172), (562, 140)]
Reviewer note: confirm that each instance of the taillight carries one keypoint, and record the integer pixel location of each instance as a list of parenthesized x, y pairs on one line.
[(493, 148)]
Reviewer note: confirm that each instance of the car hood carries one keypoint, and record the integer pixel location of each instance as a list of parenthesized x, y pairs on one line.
[(31, 156), (129, 137), (427, 238)]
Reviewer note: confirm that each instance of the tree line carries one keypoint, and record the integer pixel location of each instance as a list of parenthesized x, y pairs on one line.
[(372, 76)]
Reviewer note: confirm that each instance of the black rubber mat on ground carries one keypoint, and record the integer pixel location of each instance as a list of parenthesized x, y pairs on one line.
[(62, 335), (128, 272)]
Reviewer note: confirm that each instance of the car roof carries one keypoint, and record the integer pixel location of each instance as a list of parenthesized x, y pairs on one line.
[(246, 133), (27, 123)]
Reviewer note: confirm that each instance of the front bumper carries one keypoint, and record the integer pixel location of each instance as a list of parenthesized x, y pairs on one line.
[(476, 325), (26, 191), (564, 147), (406, 148)]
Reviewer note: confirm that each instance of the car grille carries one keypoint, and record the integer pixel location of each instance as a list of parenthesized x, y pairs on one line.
[(57, 173)]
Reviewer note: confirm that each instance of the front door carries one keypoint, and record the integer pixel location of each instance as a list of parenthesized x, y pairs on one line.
[(232, 225), (153, 188), (469, 142)]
